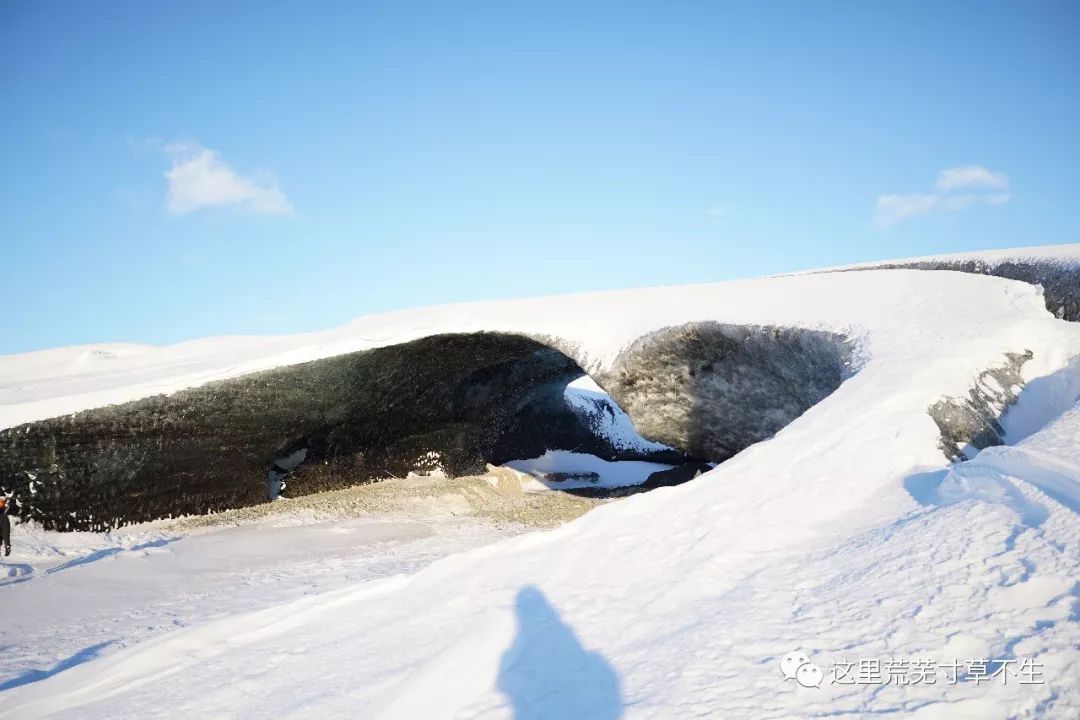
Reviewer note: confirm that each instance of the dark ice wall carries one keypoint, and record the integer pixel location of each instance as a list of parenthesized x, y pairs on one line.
[(457, 401), (452, 401), (712, 389)]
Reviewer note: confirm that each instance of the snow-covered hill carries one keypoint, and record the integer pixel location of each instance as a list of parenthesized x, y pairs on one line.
[(847, 537), (1054, 267)]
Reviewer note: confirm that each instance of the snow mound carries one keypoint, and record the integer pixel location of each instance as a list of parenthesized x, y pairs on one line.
[(1055, 268), (846, 535)]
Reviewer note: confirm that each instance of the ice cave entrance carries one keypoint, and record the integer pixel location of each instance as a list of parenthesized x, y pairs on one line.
[(458, 401), (571, 470)]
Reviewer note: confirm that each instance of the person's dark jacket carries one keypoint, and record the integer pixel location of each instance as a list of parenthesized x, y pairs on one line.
[(5, 526)]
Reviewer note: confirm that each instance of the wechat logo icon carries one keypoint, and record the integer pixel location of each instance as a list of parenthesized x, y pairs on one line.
[(797, 666)]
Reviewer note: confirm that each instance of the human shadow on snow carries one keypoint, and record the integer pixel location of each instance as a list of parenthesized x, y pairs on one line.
[(34, 675), (26, 572), (109, 552), (547, 674)]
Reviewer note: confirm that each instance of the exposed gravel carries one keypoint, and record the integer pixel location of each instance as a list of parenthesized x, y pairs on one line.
[(496, 495)]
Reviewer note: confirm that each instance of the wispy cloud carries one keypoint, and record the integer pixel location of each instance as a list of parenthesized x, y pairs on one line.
[(199, 178), (957, 188), (892, 209), (971, 176)]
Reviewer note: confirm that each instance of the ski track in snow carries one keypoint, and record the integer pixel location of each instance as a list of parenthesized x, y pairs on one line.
[(845, 536)]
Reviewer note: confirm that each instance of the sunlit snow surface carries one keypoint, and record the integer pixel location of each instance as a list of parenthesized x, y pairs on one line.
[(846, 536), (584, 471), (590, 401), (607, 420)]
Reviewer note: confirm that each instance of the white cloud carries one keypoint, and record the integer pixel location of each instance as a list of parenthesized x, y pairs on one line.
[(199, 178), (891, 209), (977, 180), (971, 176)]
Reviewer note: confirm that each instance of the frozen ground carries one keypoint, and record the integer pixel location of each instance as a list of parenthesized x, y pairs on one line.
[(846, 537), (984, 567), (140, 582), (70, 597), (585, 471)]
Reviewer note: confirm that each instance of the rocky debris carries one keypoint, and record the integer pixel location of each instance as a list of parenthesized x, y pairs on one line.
[(496, 494), (973, 422), (557, 477)]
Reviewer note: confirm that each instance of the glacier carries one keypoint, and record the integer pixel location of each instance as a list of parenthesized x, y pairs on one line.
[(846, 519)]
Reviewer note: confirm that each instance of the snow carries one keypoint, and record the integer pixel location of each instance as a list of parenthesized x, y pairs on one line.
[(607, 474), (78, 595), (1046, 395), (592, 327), (604, 415), (846, 535), (1067, 255), (581, 470), (1048, 460)]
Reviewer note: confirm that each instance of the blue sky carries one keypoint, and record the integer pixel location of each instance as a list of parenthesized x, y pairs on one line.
[(170, 170)]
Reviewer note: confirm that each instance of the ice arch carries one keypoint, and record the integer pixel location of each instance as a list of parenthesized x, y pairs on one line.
[(456, 401)]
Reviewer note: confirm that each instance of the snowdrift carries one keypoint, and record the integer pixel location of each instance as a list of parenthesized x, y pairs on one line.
[(1056, 268), (842, 532)]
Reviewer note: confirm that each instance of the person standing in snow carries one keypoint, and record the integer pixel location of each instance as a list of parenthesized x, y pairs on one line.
[(5, 525), (275, 481), (281, 469)]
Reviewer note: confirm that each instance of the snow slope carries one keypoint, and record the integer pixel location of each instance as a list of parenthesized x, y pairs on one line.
[(72, 596), (591, 327), (844, 536), (1067, 255)]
